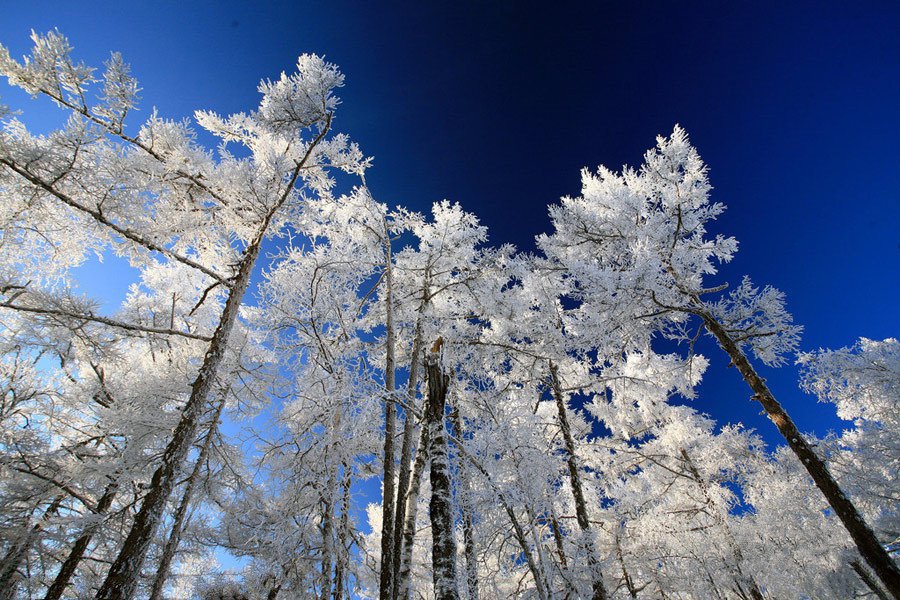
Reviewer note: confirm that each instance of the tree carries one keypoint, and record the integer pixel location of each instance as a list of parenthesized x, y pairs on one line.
[(190, 198), (641, 234)]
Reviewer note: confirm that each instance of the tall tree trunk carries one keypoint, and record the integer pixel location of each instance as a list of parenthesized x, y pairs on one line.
[(540, 583), (17, 552), (404, 584), (386, 582), (68, 568), (742, 578), (443, 553), (465, 509), (409, 429), (866, 542), (122, 577), (327, 538), (868, 580), (561, 553), (179, 521), (340, 569), (629, 582), (581, 514)]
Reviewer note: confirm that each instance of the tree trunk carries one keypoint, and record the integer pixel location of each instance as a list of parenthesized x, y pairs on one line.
[(519, 533), (561, 553), (581, 514), (868, 580), (327, 538), (343, 535), (67, 570), (465, 509), (123, 575), (409, 428), (866, 542), (443, 554), (386, 582), (404, 584), (742, 578), (162, 572), (629, 582), (17, 552)]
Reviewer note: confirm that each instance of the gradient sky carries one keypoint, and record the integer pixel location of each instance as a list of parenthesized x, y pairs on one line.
[(498, 105)]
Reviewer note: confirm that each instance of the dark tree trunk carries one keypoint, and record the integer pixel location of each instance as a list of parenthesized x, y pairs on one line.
[(866, 542), (868, 580), (179, 521), (343, 536), (15, 556), (123, 575), (743, 580), (68, 568), (519, 533), (386, 582), (581, 514), (561, 554), (443, 556), (465, 509)]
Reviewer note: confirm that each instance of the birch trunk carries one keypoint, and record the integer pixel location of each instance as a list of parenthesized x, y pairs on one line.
[(443, 553), (866, 542), (122, 577), (581, 514), (179, 521)]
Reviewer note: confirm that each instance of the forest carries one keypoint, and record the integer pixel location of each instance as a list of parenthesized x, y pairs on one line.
[(311, 393)]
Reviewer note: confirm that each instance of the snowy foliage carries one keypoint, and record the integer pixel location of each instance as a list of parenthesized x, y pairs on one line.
[(238, 402)]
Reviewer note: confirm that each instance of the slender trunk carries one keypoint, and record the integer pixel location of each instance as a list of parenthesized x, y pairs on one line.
[(742, 578), (561, 553), (17, 552), (404, 584), (343, 536), (68, 568), (386, 583), (866, 542), (409, 429), (327, 537), (519, 533), (538, 545), (629, 583), (581, 514), (868, 580), (273, 593), (171, 547), (465, 509)]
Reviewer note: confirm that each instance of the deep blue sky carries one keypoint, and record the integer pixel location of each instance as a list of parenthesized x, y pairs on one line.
[(499, 104)]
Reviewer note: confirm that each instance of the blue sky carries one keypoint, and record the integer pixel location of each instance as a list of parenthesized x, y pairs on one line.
[(794, 106)]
